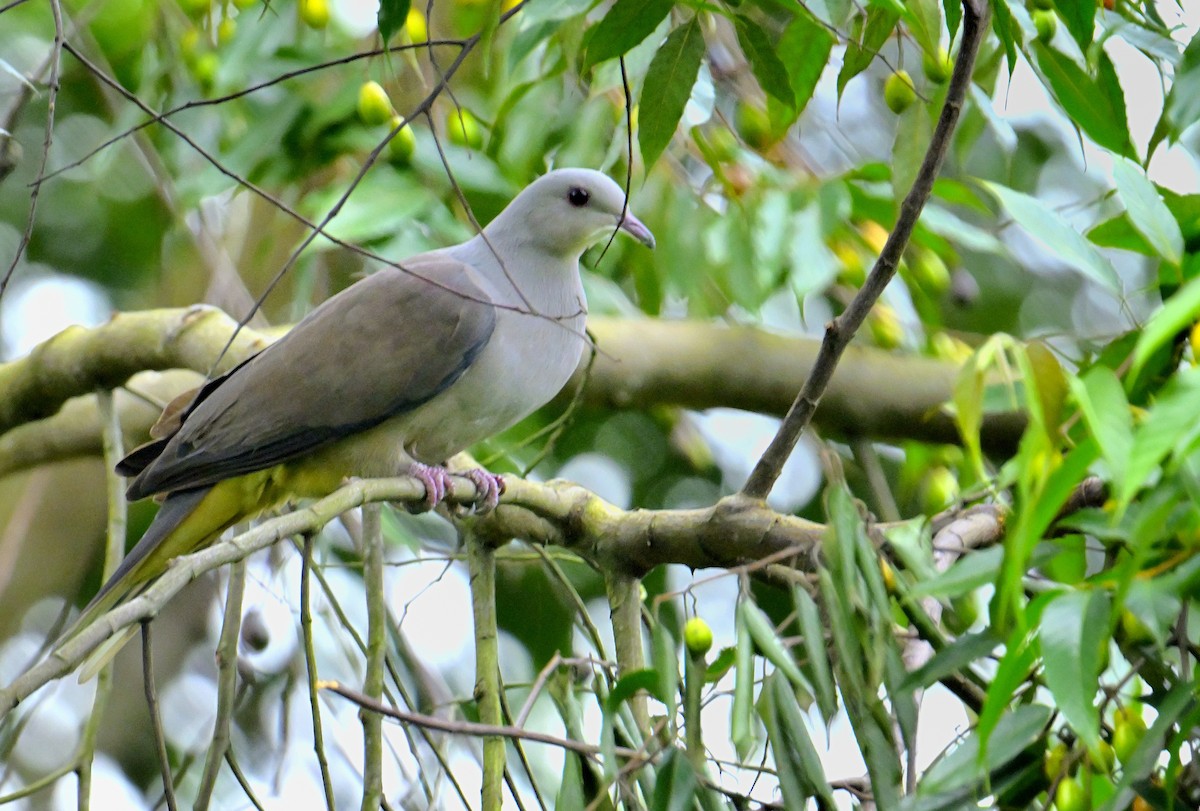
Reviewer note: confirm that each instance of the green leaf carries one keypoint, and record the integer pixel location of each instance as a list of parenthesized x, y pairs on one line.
[(1016, 732), (674, 783), (817, 658), (1056, 234), (740, 727), (1002, 24), (951, 659), (1080, 17), (626, 24), (772, 76), (1170, 425), (1182, 108), (1073, 631), (1106, 411), (763, 633), (393, 14), (914, 131), (953, 12), (666, 660), (631, 683), (1095, 104), (668, 84), (1179, 311), (1147, 211), (968, 573), (800, 773), (804, 49), (719, 666), (869, 34), (924, 20)]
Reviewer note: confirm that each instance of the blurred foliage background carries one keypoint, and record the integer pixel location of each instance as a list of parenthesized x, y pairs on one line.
[(195, 143)]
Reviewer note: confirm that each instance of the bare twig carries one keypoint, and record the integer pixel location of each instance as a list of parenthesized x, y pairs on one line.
[(160, 740), (840, 330)]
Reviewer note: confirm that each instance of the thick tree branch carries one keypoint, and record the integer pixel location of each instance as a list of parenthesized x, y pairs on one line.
[(641, 363), (839, 331)]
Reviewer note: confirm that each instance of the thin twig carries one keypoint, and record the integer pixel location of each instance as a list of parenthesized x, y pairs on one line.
[(472, 728), (227, 660), (310, 661), (840, 330), (160, 740), (51, 104), (372, 553)]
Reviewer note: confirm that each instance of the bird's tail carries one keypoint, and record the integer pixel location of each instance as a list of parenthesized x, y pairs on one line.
[(146, 560)]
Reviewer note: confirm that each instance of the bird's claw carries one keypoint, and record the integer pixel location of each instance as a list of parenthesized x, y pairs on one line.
[(437, 484), (488, 488)]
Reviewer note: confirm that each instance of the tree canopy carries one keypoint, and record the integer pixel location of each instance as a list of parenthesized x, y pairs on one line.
[(896, 427)]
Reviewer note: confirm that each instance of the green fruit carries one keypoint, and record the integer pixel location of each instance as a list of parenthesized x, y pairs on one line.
[(697, 636), (1070, 796), (930, 271), (415, 26), (402, 146), (1055, 759), (463, 129), (939, 489), (1046, 23), (753, 126), (225, 30), (899, 92), (374, 106), (886, 329), (1128, 731), (194, 8), (1105, 758), (937, 67), (315, 13), (204, 70)]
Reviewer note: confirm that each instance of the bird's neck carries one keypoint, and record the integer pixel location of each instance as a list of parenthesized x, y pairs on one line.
[(526, 275)]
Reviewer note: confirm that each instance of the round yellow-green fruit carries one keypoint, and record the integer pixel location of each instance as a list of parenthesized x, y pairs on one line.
[(402, 145), (899, 92), (463, 129), (1046, 23), (226, 30), (753, 126), (937, 67), (1070, 796), (1128, 731), (415, 26), (697, 636), (315, 13), (374, 106)]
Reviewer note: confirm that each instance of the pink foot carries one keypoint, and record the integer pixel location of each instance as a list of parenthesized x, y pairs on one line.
[(436, 481), (488, 488)]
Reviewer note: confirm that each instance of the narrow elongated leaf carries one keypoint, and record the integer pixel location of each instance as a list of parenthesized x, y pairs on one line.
[(1080, 16), (674, 783), (1179, 311), (1104, 407), (800, 773), (924, 18), (804, 49), (1016, 731), (869, 35), (763, 633), (1095, 104), (1147, 211), (668, 84), (1170, 426), (1182, 108), (392, 16), (740, 726), (817, 659), (626, 24), (772, 76), (952, 658), (1073, 630), (1056, 234)]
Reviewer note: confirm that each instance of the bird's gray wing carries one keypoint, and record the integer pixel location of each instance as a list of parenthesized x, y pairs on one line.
[(381, 347)]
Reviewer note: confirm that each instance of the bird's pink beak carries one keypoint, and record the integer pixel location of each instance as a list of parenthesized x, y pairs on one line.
[(637, 229)]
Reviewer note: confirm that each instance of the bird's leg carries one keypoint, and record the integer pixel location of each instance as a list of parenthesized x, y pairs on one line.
[(437, 483), (488, 488)]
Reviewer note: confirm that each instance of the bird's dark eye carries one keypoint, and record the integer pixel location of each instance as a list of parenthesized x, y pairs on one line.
[(578, 197)]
